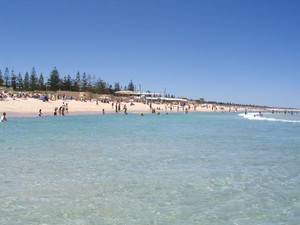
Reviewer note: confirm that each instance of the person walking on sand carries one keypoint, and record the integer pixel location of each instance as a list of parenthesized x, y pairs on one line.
[(3, 118)]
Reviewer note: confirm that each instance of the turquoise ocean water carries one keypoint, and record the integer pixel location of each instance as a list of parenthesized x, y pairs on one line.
[(199, 168)]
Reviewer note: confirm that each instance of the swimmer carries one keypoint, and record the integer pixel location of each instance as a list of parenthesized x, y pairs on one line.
[(142, 114)]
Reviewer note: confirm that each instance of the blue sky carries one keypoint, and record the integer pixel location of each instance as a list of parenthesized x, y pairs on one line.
[(232, 51)]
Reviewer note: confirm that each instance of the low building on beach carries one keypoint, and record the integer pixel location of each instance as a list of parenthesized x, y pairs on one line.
[(149, 96)]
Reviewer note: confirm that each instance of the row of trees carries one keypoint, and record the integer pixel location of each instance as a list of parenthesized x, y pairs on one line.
[(85, 82)]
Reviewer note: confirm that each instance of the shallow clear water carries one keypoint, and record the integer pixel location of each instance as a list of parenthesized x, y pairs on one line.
[(199, 168)]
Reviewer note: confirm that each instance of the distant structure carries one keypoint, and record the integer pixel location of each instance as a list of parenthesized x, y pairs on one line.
[(201, 100), (151, 96)]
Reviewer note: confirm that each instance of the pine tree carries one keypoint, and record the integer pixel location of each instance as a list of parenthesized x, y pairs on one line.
[(26, 82), (101, 86), (54, 81), (67, 83), (13, 80), (1, 78), (130, 86), (6, 77), (33, 80), (94, 81), (41, 84), (117, 86), (77, 83), (84, 82), (75, 86), (19, 81), (110, 89), (89, 83)]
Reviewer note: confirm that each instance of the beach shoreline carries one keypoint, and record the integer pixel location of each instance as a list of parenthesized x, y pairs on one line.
[(30, 107)]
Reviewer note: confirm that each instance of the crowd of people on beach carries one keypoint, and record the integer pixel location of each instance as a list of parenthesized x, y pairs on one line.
[(122, 104), (62, 110), (119, 106), (13, 95)]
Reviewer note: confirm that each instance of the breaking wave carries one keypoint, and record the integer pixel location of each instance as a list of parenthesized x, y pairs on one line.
[(265, 116)]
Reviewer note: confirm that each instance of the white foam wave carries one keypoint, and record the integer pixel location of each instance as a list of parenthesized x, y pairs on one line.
[(255, 116)]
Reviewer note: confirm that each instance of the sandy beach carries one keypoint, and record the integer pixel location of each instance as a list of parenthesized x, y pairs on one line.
[(30, 107)]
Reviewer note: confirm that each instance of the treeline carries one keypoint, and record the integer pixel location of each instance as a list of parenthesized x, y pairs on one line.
[(33, 82)]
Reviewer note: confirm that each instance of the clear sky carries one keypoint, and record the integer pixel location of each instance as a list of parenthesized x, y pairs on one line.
[(227, 50)]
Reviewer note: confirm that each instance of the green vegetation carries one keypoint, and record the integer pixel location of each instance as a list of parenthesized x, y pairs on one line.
[(55, 82)]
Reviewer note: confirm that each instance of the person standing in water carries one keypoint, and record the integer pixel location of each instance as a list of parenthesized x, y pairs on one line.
[(40, 113), (55, 111), (125, 109), (67, 108), (3, 117), (62, 111)]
